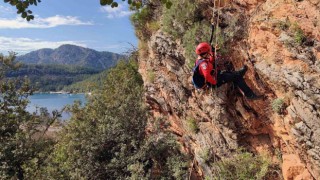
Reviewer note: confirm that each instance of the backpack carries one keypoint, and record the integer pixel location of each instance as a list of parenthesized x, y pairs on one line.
[(198, 80)]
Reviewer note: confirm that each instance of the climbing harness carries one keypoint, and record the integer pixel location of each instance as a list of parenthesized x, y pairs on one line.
[(197, 79)]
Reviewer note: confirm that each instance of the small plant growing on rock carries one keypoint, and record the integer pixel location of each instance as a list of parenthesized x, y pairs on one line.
[(278, 105), (284, 25), (205, 154), (151, 76), (192, 125), (143, 49), (153, 26), (242, 165), (179, 17), (278, 154), (139, 21), (299, 36)]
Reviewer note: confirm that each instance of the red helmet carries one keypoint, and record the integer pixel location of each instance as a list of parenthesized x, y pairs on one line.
[(203, 48)]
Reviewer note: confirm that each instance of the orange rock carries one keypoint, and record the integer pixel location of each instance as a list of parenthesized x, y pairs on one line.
[(294, 169)]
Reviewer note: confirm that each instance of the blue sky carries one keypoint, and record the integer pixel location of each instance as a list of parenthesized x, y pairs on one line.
[(80, 22)]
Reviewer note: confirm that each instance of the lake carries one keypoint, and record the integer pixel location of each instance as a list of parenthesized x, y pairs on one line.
[(54, 102)]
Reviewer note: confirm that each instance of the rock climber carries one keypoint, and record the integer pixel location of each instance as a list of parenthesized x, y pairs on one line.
[(216, 78)]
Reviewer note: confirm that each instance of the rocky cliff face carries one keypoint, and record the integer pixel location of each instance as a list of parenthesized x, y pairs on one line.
[(280, 42)]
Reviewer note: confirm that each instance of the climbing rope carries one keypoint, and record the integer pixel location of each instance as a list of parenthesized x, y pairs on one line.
[(215, 54), (216, 40)]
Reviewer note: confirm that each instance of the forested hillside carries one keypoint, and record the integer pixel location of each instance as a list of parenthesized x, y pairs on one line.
[(89, 84), (47, 78), (55, 69), (72, 55)]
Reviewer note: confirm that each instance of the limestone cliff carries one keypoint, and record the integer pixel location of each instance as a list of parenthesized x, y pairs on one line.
[(280, 42)]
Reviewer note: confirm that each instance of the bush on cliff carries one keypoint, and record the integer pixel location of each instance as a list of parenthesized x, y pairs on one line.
[(179, 17), (144, 21), (242, 166)]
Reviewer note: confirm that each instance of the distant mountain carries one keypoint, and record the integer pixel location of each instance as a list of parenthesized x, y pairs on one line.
[(72, 55), (54, 69)]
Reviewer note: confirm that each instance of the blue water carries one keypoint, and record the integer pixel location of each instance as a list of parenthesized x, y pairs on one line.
[(54, 102)]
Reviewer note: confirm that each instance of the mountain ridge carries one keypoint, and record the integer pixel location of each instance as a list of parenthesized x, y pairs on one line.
[(68, 54)]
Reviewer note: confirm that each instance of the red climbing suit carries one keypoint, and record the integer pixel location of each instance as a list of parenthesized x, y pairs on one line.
[(206, 68)]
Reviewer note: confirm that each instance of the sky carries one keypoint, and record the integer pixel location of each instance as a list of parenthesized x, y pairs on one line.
[(80, 22)]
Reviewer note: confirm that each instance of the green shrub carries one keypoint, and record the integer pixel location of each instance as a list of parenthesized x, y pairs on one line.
[(284, 25), (153, 26), (178, 166), (141, 17), (24, 145), (278, 154), (150, 76), (242, 166), (298, 34), (163, 153), (221, 40), (139, 21), (144, 20), (179, 17), (192, 125), (101, 139), (199, 32), (106, 139), (278, 105), (143, 49), (205, 154)]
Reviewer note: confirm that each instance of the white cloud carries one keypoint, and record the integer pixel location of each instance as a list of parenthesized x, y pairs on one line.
[(117, 12), (5, 10), (38, 22), (25, 45)]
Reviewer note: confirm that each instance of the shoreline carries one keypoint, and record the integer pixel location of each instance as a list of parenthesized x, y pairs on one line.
[(62, 92)]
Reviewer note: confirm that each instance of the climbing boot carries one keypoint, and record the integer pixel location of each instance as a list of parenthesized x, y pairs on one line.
[(243, 70), (254, 97)]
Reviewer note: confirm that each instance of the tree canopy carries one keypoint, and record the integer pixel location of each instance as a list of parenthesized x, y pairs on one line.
[(23, 7), (21, 134)]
